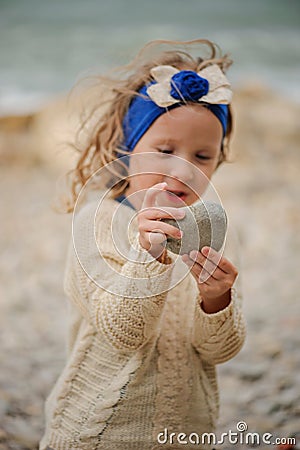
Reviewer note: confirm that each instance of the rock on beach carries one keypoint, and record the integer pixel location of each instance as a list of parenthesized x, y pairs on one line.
[(204, 224)]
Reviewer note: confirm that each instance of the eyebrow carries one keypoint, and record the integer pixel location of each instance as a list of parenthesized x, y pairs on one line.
[(166, 140), (172, 141)]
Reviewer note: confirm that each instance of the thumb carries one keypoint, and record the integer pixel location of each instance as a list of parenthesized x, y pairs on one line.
[(151, 194)]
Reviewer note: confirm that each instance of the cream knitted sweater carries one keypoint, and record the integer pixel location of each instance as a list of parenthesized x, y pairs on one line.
[(141, 357)]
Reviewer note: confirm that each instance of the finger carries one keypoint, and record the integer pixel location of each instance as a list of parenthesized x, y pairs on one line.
[(203, 277), (197, 270), (158, 213), (223, 263), (217, 274), (228, 268), (198, 257), (151, 194), (217, 279), (155, 238), (206, 278), (212, 255), (161, 227)]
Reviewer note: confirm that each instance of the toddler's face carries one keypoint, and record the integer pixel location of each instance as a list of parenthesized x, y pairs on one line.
[(182, 147)]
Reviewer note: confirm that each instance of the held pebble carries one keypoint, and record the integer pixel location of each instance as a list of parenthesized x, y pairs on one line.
[(204, 224)]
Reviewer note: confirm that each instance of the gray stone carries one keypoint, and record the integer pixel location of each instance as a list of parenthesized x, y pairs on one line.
[(279, 417), (22, 431), (251, 372), (288, 397), (4, 407), (204, 224)]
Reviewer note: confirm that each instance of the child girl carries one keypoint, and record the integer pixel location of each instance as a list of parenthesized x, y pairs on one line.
[(146, 335)]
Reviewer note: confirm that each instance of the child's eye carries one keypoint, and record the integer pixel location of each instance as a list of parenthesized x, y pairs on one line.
[(203, 157), (166, 151)]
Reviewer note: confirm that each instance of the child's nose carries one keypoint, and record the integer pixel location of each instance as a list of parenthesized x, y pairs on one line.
[(182, 170)]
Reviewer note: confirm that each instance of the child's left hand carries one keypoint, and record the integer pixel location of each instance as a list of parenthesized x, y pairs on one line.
[(215, 276)]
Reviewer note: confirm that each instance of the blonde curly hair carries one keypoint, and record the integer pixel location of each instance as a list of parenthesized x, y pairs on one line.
[(105, 135)]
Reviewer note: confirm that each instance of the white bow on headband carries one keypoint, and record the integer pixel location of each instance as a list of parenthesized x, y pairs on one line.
[(216, 86)]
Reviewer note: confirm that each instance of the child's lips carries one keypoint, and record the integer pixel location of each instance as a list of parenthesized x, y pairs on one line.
[(176, 196)]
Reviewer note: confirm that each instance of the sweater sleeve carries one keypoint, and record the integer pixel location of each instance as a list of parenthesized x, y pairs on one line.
[(218, 337), (122, 295)]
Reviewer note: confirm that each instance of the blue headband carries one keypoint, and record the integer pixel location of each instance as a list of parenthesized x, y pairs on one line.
[(142, 112)]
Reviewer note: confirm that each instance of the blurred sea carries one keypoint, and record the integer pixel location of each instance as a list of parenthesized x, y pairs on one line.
[(47, 46)]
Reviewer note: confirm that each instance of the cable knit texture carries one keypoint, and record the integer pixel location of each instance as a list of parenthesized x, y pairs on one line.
[(137, 364)]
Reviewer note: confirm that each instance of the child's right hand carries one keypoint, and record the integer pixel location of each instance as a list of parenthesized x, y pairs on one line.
[(153, 232)]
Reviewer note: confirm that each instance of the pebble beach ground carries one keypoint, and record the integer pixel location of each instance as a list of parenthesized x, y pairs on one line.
[(260, 191)]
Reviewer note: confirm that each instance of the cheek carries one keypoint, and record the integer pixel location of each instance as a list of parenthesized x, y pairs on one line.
[(144, 181), (150, 179), (202, 178), (210, 167), (201, 185)]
